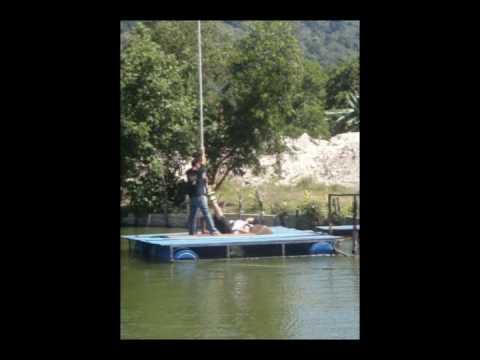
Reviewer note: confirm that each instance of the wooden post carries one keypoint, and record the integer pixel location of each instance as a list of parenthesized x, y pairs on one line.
[(187, 209), (339, 209), (355, 232), (240, 205), (165, 209), (260, 203), (171, 254), (228, 251), (283, 250), (330, 214)]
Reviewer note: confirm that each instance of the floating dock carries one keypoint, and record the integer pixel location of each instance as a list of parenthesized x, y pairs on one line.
[(339, 229), (282, 242)]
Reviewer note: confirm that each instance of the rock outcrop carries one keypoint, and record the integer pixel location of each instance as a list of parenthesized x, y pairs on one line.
[(336, 161)]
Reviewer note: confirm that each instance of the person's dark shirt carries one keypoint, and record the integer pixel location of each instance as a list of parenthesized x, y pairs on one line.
[(196, 182), (222, 224)]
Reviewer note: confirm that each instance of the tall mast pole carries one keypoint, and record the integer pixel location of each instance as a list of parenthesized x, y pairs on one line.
[(202, 147)]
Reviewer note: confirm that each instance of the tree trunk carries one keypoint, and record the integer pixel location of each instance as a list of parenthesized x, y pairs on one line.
[(217, 186)]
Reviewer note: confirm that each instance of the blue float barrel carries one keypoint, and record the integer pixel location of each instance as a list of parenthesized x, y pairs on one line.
[(323, 247), (186, 254)]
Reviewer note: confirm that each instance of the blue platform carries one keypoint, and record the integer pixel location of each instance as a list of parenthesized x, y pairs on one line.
[(163, 246)]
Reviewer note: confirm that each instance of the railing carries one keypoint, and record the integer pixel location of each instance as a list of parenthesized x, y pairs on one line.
[(355, 237)]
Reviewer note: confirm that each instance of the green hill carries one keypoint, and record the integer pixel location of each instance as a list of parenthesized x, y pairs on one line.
[(328, 42)]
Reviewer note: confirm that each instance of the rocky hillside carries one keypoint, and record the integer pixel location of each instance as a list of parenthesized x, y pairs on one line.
[(336, 161)]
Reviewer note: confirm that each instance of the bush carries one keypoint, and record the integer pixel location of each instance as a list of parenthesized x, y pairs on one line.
[(313, 213), (279, 208), (306, 182)]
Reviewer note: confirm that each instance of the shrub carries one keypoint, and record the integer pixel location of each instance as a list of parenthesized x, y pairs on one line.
[(313, 213), (279, 208)]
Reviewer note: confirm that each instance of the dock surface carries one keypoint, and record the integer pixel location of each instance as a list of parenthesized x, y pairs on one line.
[(281, 235), (338, 228)]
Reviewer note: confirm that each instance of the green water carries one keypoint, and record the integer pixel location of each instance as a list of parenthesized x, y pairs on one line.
[(268, 298)]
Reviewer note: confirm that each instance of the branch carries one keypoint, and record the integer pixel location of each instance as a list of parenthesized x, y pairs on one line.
[(217, 186), (216, 167), (226, 157)]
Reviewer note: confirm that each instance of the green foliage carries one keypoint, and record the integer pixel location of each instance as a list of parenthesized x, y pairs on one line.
[(349, 120), (329, 42), (325, 42), (156, 110), (343, 120), (313, 213), (267, 75), (311, 119), (309, 183), (342, 210), (309, 104), (258, 89), (342, 80), (144, 190), (311, 209), (280, 208), (342, 97), (309, 197), (257, 101)]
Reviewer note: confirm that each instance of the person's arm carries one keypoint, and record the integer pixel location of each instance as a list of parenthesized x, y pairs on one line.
[(203, 174), (217, 209)]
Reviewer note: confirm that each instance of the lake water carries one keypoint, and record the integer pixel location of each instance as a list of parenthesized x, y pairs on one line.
[(269, 298)]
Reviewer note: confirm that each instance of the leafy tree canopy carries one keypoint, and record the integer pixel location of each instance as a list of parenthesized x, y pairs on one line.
[(259, 88)]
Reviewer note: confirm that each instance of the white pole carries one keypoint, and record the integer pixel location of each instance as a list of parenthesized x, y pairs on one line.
[(202, 147)]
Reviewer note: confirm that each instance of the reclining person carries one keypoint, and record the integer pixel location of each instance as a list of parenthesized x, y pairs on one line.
[(235, 227), (250, 226), (219, 218), (242, 226)]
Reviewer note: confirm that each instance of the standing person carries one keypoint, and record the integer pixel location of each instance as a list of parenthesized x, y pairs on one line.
[(197, 190)]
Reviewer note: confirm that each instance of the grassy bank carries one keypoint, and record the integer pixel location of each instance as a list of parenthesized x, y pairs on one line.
[(278, 198), (307, 197)]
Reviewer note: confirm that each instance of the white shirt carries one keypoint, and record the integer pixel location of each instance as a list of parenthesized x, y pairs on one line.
[(238, 225)]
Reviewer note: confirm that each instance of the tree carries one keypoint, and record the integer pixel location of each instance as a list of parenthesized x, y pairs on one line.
[(257, 102), (258, 89), (347, 119), (309, 104), (156, 112), (179, 38), (342, 81)]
